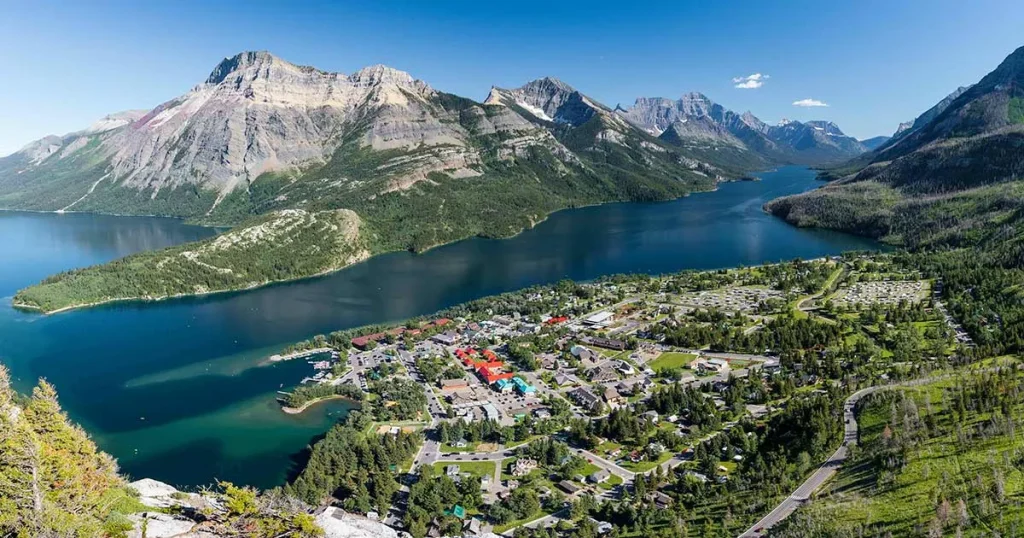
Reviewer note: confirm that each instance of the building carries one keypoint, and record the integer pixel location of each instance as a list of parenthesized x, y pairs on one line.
[(584, 398), (569, 487), (454, 384), (522, 466), (503, 385), (561, 380), (600, 319), (522, 387), (607, 343), (613, 397), (447, 338), (603, 527), (599, 477), (451, 470), (602, 374), (490, 412)]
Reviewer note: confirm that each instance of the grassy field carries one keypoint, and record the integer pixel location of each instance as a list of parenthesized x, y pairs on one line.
[(646, 465), (671, 359), (475, 468), (933, 469)]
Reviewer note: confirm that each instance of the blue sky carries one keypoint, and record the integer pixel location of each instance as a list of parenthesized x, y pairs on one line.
[(65, 64)]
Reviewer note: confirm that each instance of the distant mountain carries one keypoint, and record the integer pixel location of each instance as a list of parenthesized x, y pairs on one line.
[(695, 120), (953, 178), (875, 142)]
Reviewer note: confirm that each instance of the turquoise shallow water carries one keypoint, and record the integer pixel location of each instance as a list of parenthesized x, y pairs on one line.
[(176, 390)]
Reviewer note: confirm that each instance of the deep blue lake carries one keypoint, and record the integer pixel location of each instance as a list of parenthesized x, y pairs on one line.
[(175, 389)]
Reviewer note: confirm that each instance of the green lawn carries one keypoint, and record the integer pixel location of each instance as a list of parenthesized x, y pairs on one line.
[(615, 480), (448, 449), (671, 359), (475, 468), (647, 465)]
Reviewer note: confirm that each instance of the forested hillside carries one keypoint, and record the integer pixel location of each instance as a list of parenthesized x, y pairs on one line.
[(942, 459), (953, 181)]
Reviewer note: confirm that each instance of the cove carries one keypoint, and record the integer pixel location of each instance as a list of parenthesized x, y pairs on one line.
[(177, 390)]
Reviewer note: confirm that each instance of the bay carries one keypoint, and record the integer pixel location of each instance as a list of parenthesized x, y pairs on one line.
[(179, 390)]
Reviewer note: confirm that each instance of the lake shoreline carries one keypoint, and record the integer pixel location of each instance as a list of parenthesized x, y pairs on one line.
[(146, 300), (299, 410)]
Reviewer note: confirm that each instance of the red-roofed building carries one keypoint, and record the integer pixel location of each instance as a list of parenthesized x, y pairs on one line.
[(556, 320)]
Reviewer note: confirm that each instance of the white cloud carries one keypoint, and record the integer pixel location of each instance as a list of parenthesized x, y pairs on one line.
[(809, 103), (750, 82)]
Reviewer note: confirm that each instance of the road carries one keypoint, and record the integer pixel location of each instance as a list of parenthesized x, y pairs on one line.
[(624, 474), (831, 465), (820, 476)]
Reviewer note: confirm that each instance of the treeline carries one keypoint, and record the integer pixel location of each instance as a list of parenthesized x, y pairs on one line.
[(306, 393), (354, 467), (784, 333)]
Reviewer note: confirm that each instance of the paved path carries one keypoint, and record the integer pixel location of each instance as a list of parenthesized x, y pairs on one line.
[(819, 477)]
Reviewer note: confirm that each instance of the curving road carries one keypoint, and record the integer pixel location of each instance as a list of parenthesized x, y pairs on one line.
[(803, 493)]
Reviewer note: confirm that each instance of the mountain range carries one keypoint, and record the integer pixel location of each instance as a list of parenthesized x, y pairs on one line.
[(409, 167), (950, 178), (257, 117)]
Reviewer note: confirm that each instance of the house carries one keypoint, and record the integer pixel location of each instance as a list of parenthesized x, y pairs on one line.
[(461, 443), (451, 470), (548, 361), (771, 366), (584, 398), (454, 384), (543, 412), (522, 466), (603, 527), (569, 487), (613, 397), (645, 384), (625, 368), (655, 448), (652, 416), (471, 527), (599, 477), (602, 374), (561, 380), (583, 353), (458, 511), (661, 500)]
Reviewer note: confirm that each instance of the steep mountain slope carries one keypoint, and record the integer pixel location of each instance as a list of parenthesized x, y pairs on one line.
[(695, 120), (954, 180), (909, 127), (875, 142)]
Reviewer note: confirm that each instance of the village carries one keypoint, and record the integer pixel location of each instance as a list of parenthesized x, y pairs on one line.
[(598, 352)]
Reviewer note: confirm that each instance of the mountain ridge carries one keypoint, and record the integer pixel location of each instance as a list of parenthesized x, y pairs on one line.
[(952, 179)]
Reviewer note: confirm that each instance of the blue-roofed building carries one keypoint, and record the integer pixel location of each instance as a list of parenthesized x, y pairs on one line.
[(522, 386), (503, 385)]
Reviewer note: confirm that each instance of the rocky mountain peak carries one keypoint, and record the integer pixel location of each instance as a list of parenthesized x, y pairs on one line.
[(381, 74), (242, 62)]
